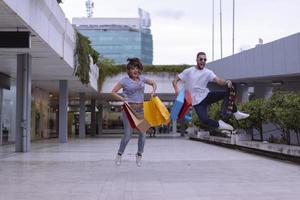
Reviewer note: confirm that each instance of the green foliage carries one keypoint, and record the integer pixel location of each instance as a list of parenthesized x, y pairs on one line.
[(255, 107), (284, 111), (83, 52), (257, 110), (95, 55), (165, 68), (214, 110), (154, 68), (108, 68)]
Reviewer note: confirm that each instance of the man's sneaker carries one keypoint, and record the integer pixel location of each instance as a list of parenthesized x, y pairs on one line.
[(118, 160), (224, 126), (138, 160), (240, 115)]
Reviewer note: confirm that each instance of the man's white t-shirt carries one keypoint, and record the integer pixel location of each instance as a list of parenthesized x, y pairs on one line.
[(196, 81)]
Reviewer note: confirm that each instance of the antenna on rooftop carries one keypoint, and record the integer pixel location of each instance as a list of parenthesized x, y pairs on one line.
[(89, 7)]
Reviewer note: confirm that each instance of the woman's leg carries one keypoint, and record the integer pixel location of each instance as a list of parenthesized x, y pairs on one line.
[(141, 143), (127, 134), (142, 136)]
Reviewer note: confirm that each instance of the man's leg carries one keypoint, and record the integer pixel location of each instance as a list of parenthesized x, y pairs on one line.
[(215, 96), (231, 107), (201, 110)]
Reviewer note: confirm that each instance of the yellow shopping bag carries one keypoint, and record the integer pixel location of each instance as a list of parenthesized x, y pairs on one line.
[(150, 113), (162, 110), (155, 112)]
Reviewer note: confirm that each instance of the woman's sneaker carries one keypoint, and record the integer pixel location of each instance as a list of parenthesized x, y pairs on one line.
[(138, 160), (240, 115), (118, 159), (224, 126)]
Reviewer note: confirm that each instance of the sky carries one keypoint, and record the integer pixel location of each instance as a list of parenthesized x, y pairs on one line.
[(180, 28)]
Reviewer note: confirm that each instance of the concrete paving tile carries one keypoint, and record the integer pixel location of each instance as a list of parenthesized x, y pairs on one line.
[(172, 168)]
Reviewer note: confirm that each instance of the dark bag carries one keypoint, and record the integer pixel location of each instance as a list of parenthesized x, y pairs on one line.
[(231, 101)]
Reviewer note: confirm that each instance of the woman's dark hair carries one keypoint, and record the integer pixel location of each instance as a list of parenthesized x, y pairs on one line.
[(134, 62)]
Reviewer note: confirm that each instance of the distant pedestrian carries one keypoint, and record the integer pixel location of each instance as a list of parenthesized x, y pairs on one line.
[(196, 79), (133, 86)]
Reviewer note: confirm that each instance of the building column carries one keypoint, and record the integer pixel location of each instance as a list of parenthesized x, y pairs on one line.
[(242, 94), (63, 111), (82, 132), (23, 103), (174, 126), (57, 119), (100, 119), (93, 117), (1, 103), (264, 92), (13, 107)]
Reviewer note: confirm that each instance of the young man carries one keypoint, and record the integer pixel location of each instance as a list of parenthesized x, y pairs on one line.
[(196, 79)]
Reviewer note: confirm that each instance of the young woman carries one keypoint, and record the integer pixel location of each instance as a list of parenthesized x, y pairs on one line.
[(133, 87)]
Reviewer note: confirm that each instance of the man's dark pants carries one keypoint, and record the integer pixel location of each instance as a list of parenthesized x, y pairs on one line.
[(212, 97)]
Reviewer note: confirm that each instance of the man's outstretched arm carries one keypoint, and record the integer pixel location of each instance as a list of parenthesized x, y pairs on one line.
[(222, 82), (174, 82)]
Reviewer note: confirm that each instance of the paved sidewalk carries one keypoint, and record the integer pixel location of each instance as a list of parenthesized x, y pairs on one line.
[(173, 168)]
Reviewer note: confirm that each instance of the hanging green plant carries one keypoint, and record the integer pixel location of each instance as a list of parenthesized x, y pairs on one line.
[(108, 68), (82, 58)]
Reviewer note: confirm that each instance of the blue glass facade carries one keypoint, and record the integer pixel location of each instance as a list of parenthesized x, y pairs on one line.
[(120, 42)]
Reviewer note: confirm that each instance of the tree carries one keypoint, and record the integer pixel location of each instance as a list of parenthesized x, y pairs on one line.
[(257, 110), (284, 112)]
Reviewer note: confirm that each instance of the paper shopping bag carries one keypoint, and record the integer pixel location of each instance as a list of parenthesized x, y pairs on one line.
[(151, 114), (177, 105), (155, 112), (143, 126), (136, 121), (162, 109), (130, 116), (186, 104)]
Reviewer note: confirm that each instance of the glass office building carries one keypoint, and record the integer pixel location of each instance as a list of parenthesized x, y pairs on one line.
[(119, 38)]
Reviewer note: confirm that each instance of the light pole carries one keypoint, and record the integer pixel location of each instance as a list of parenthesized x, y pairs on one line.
[(213, 30), (233, 24), (221, 43)]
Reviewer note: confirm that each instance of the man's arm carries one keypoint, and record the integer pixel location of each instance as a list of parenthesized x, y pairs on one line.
[(222, 82), (174, 82)]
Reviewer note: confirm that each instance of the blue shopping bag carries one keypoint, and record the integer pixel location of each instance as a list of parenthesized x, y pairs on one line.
[(187, 118), (177, 105)]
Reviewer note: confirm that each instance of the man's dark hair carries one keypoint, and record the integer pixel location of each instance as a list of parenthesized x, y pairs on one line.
[(200, 53), (134, 62)]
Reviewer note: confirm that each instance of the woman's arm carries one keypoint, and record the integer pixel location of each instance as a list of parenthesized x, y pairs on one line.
[(153, 84), (114, 93)]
